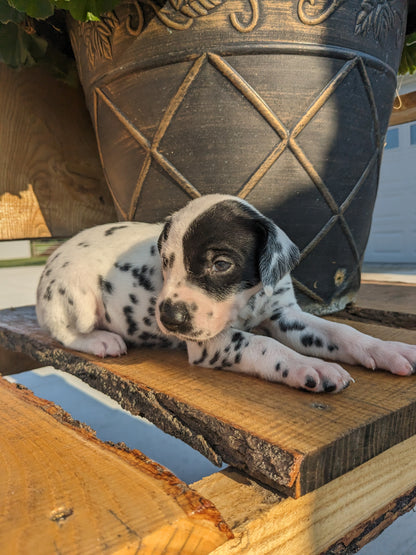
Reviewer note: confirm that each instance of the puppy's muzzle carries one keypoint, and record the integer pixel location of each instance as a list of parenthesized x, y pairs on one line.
[(175, 317)]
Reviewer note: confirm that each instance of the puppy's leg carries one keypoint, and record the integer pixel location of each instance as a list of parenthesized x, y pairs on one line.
[(266, 358), (71, 317), (311, 335)]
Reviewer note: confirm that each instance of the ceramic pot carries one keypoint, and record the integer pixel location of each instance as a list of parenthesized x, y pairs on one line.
[(282, 102)]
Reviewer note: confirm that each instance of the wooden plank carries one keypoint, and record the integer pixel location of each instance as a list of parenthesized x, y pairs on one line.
[(64, 491), (404, 109), (51, 181), (338, 518), (385, 303), (290, 439)]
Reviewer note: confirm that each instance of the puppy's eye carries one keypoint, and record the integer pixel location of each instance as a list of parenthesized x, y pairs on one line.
[(220, 265)]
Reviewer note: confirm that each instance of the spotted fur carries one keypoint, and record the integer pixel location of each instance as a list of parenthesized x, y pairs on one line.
[(211, 274)]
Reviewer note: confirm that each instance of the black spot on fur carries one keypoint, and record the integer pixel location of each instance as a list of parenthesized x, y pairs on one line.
[(133, 298), (70, 301), (202, 357), (153, 250), (61, 291), (277, 367), (226, 363), (285, 373), (238, 339), (147, 321), (48, 293), (131, 323), (237, 359), (151, 311), (152, 301), (276, 315), (294, 325), (107, 317), (48, 272), (139, 274), (328, 386), (111, 230), (310, 382), (105, 285), (123, 267), (83, 244), (165, 232), (332, 347), (215, 358), (264, 351), (307, 340), (65, 264)]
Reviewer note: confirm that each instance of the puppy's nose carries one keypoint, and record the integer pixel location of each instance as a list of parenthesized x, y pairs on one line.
[(174, 316)]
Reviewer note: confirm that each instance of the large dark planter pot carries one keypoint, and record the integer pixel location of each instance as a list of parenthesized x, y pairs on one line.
[(281, 102)]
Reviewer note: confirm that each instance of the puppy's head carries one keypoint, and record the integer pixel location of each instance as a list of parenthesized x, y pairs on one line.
[(216, 253)]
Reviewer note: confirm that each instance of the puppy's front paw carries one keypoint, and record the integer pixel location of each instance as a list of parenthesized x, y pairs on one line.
[(397, 358), (317, 376), (100, 343)]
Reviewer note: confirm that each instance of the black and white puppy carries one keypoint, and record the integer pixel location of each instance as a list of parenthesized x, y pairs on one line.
[(209, 275)]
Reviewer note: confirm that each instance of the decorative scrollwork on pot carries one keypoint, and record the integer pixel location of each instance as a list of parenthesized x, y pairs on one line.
[(321, 15), (379, 17), (97, 37), (246, 28), (180, 14)]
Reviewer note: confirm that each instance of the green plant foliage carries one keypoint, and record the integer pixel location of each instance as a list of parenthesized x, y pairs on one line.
[(39, 9), (18, 48), (408, 61), (9, 14), (86, 10)]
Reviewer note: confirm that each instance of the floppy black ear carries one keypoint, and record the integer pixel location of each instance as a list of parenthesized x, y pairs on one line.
[(278, 255)]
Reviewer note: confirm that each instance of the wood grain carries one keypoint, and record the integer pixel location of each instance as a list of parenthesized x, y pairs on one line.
[(404, 109), (290, 439), (339, 517), (51, 181), (385, 303), (64, 491)]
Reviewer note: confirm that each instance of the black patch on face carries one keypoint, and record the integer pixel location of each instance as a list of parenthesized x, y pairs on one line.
[(227, 231), (111, 230)]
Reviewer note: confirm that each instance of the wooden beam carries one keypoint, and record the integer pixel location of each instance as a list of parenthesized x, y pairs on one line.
[(51, 181), (293, 440), (404, 109), (385, 303), (64, 491), (340, 517)]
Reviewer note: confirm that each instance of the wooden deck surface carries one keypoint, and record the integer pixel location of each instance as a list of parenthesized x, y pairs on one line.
[(289, 439)]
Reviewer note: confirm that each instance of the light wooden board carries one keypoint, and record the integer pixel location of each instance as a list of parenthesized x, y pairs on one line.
[(293, 440), (51, 181), (404, 109), (338, 518), (64, 491)]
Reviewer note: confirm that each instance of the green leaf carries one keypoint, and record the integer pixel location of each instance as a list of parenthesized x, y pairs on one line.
[(408, 60), (39, 9), (17, 48), (86, 10), (8, 13)]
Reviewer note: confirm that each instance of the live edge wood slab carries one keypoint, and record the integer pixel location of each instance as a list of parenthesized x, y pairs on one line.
[(291, 440), (64, 491)]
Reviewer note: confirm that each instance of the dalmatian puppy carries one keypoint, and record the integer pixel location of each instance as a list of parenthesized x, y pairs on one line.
[(214, 271)]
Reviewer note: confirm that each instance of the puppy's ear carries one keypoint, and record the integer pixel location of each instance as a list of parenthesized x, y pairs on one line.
[(165, 232), (278, 254)]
